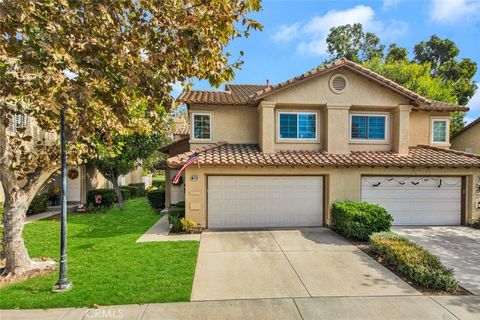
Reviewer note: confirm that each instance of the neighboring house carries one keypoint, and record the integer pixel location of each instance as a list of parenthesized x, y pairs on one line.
[(468, 139), (281, 155), (81, 179)]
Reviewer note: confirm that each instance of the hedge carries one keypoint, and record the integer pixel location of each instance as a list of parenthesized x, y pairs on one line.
[(159, 184), (476, 224), (413, 261), (156, 198), (359, 220), (125, 193), (180, 204), (39, 204), (108, 197), (139, 191)]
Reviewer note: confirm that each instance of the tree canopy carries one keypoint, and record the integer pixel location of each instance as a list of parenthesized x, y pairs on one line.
[(112, 66), (436, 71)]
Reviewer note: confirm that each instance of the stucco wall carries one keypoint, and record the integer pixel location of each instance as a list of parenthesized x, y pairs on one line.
[(341, 184), (359, 92), (421, 127), (233, 124), (468, 139)]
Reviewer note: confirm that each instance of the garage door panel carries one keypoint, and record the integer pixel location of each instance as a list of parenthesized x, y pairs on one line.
[(427, 201), (264, 201)]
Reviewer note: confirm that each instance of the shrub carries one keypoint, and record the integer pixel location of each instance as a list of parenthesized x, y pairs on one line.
[(140, 191), (108, 197), (39, 204), (1, 230), (159, 184), (476, 224), (187, 225), (359, 220), (125, 193), (180, 204), (413, 261), (156, 198), (175, 215)]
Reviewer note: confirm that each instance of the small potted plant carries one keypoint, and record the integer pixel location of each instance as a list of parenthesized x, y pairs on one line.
[(55, 196)]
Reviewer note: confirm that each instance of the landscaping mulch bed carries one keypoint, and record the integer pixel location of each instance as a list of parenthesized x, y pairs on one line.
[(365, 247), (6, 279)]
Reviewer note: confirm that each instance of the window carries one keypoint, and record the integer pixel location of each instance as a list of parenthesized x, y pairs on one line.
[(18, 121), (439, 131), (368, 127), (202, 126), (298, 126)]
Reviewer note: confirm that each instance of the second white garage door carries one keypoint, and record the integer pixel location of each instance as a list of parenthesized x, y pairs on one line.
[(416, 200), (264, 201)]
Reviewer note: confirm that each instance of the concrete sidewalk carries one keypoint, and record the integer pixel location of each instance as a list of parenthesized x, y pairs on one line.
[(338, 308)]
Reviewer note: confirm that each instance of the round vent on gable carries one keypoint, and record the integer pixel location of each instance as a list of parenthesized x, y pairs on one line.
[(338, 83)]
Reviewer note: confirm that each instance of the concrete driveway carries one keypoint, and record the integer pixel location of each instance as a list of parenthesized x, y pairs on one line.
[(457, 247), (311, 262)]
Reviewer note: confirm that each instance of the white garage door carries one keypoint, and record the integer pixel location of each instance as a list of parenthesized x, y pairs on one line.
[(264, 201), (416, 200)]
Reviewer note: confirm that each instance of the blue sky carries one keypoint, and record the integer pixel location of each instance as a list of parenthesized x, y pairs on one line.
[(293, 39)]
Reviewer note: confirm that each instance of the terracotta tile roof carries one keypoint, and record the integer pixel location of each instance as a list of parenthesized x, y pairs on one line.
[(234, 94), (470, 125), (183, 131), (252, 94), (251, 155)]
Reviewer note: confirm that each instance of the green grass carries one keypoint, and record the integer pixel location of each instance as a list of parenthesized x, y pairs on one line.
[(105, 264)]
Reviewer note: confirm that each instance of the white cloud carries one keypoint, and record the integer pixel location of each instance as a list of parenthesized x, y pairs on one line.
[(387, 4), (286, 33), (474, 105), (449, 11), (315, 31)]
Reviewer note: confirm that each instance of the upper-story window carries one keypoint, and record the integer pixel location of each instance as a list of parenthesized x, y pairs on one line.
[(202, 129), (368, 127), (297, 125), (440, 131), (18, 121)]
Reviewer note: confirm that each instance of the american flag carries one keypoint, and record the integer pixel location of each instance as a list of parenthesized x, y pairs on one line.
[(192, 159)]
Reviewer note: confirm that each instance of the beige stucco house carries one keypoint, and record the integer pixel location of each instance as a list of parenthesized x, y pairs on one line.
[(81, 178), (281, 155), (468, 139)]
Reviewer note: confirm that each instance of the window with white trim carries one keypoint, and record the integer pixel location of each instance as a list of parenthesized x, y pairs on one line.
[(439, 131), (202, 129), (368, 127), (297, 126)]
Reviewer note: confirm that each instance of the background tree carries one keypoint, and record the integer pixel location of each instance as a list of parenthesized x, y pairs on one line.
[(97, 59), (351, 42), (395, 53), (435, 72), (133, 150), (442, 55)]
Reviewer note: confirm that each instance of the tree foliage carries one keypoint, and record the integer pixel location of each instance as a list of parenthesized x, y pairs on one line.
[(99, 59), (436, 71), (351, 42)]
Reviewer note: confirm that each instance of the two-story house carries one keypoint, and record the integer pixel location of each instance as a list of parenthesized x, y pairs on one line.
[(280, 155)]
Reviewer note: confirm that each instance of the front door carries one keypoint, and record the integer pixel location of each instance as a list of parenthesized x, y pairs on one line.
[(73, 184)]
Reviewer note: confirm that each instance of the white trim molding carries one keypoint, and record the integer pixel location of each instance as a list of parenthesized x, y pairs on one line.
[(210, 117)]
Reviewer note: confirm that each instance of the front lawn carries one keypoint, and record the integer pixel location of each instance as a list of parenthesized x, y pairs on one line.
[(105, 263)]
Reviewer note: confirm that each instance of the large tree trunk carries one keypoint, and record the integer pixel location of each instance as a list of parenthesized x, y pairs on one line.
[(16, 254), (116, 187)]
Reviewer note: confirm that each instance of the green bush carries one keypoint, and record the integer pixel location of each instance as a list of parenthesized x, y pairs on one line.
[(174, 219), (413, 261), (125, 193), (140, 191), (1, 230), (108, 197), (156, 198), (39, 204), (476, 224), (358, 220), (180, 204), (159, 184)]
